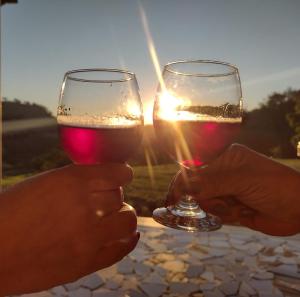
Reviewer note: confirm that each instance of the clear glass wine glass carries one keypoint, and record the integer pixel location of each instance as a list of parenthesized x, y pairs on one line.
[(100, 115), (197, 115)]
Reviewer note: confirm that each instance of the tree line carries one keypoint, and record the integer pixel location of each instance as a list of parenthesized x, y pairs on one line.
[(17, 110), (273, 128)]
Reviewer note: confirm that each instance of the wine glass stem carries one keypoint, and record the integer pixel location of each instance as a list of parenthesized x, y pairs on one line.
[(188, 207)]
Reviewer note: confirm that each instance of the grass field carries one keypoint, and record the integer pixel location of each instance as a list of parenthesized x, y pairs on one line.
[(148, 189)]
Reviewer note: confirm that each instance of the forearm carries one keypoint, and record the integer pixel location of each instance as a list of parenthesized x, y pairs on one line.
[(290, 196), (12, 244), (7, 247)]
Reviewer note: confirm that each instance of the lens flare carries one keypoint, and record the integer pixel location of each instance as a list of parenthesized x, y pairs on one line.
[(134, 109), (151, 46), (168, 105)]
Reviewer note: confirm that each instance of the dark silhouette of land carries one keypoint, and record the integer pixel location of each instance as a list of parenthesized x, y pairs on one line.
[(272, 129)]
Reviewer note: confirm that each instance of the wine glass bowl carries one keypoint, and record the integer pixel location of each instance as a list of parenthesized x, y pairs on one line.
[(99, 115), (197, 115)]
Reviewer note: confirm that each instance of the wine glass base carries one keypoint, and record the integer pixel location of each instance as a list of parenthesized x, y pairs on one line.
[(198, 223)]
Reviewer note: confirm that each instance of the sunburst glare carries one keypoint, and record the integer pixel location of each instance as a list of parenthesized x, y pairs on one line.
[(151, 46), (168, 106)]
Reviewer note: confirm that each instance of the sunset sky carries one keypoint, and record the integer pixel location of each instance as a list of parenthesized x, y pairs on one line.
[(42, 39)]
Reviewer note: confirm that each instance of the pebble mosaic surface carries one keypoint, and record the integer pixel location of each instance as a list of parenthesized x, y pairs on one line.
[(233, 261)]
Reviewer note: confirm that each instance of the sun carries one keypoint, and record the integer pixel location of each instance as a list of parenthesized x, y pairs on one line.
[(148, 112), (168, 106)]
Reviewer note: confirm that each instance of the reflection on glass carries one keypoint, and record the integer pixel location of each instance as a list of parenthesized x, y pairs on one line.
[(197, 115)]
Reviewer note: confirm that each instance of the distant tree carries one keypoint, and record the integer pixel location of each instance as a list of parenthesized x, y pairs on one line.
[(294, 118), (267, 128), (16, 109)]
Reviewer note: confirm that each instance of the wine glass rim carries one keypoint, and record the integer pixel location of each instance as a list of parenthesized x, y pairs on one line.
[(131, 76), (233, 69)]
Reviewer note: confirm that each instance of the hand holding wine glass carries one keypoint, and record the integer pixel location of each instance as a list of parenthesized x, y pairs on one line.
[(63, 224), (245, 187), (197, 115)]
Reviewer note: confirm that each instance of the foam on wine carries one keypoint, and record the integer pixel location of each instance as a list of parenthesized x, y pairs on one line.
[(184, 115), (94, 140), (112, 121)]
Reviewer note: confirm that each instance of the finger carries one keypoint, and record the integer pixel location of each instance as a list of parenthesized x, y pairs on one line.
[(104, 176), (227, 175), (118, 225), (115, 252), (102, 203), (104, 256), (205, 184)]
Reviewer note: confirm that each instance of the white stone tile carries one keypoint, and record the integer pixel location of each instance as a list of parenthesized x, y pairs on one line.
[(153, 290), (154, 278), (264, 275), (253, 248), (108, 293), (135, 293), (125, 266), (139, 255), (194, 271), (183, 288), (279, 250), (130, 283), (108, 272), (175, 265), (81, 292), (208, 286), (215, 293), (229, 288), (156, 245), (218, 252), (160, 270), (59, 290), (74, 285), (246, 290), (142, 269), (208, 275), (288, 260), (265, 286), (267, 259), (92, 281), (219, 243)]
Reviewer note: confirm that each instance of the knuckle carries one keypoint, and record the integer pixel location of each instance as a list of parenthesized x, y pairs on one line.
[(238, 153), (129, 172), (237, 148), (117, 197)]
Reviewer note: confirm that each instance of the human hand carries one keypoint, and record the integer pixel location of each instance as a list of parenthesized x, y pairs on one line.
[(246, 187), (63, 224)]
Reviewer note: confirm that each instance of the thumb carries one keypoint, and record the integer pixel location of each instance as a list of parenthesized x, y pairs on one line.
[(227, 175)]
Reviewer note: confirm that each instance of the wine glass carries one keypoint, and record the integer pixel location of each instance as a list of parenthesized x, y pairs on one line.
[(197, 115), (99, 115)]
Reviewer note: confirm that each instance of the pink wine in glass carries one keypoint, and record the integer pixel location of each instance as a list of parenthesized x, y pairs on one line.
[(195, 143), (88, 145)]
